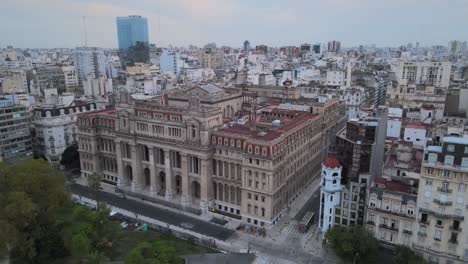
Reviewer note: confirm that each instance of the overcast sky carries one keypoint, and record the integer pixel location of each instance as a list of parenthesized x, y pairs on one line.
[(59, 23)]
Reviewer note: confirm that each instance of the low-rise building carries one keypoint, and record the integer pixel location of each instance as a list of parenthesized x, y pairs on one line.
[(391, 212)]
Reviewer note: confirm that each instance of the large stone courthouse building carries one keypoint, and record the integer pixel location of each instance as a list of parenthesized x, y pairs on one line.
[(208, 149)]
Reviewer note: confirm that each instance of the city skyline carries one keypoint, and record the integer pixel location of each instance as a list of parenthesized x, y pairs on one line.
[(274, 23)]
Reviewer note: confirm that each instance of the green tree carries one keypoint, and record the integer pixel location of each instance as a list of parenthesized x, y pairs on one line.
[(353, 243), (91, 233), (71, 157), (157, 252), (32, 197), (94, 183), (404, 255)]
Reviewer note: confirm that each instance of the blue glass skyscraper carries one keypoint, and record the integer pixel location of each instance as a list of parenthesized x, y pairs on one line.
[(132, 32)]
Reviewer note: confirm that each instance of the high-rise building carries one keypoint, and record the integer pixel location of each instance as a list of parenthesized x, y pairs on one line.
[(48, 76), (361, 146), (170, 62), (262, 48), (431, 73), (316, 48), (334, 46), (89, 63), (305, 48), (246, 45), (71, 80), (13, 81), (133, 39), (211, 57), (15, 143), (360, 150)]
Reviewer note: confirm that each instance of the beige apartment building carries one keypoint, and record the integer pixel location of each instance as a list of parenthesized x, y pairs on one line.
[(442, 232), (193, 150)]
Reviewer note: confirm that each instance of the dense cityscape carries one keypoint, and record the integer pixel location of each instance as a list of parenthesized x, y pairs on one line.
[(317, 152)]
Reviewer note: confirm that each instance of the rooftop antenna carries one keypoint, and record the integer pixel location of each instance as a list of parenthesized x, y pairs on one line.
[(84, 30)]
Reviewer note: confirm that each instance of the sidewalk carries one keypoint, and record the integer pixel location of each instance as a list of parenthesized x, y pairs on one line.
[(111, 189)]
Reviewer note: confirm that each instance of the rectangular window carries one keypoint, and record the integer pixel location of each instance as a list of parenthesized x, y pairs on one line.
[(432, 157), (448, 160), (464, 162), (438, 235), (450, 148), (461, 187)]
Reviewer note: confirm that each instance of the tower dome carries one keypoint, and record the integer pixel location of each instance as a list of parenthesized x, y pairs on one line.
[(331, 162)]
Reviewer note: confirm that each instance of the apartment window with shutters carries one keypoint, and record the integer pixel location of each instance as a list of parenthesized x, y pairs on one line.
[(448, 160), (464, 162), (450, 148), (432, 157)]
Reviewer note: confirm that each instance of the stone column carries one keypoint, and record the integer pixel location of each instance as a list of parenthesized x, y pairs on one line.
[(120, 172), (185, 201), (168, 180), (153, 186), (205, 190), (136, 171)]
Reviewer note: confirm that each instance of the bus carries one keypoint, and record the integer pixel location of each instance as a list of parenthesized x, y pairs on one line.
[(306, 222)]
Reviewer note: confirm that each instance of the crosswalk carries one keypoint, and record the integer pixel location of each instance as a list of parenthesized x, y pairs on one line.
[(292, 231)]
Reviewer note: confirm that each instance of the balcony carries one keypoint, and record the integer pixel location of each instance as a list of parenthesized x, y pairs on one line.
[(444, 190), (422, 233), (442, 215), (424, 222), (457, 229), (408, 232), (453, 241), (439, 202), (389, 227)]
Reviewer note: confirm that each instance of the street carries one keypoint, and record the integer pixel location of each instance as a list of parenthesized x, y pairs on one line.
[(162, 215)]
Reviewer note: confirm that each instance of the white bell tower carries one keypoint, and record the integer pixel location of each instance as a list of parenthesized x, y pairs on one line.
[(330, 193)]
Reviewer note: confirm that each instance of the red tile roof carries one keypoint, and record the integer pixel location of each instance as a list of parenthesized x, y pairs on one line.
[(331, 162), (392, 185)]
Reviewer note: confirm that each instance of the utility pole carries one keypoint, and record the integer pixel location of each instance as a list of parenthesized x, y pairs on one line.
[(85, 32)]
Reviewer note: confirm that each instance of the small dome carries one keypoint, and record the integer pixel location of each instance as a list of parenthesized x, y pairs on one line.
[(331, 162)]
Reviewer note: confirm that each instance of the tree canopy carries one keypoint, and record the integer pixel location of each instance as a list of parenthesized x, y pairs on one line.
[(71, 157), (404, 255), (32, 194), (353, 243), (91, 234), (156, 252)]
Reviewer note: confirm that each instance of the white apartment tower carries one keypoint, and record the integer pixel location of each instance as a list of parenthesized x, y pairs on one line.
[(89, 63), (330, 192), (431, 73)]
